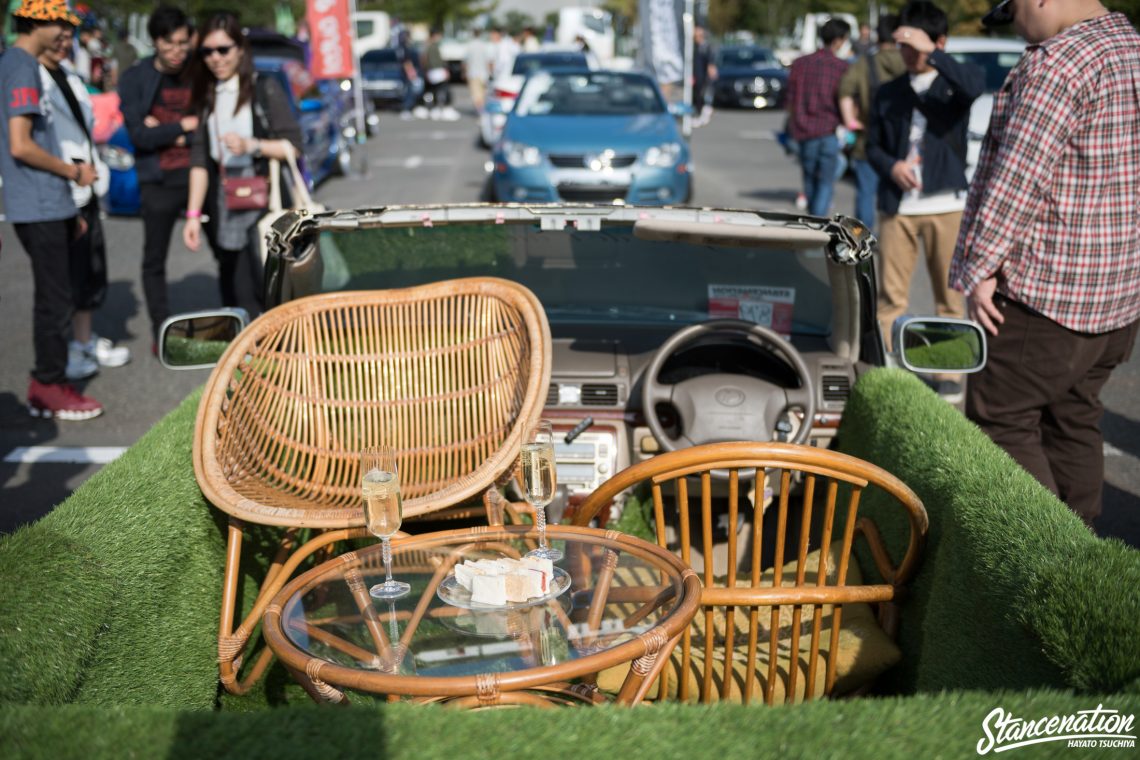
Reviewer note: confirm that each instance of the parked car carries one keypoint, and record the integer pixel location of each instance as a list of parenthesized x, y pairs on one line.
[(505, 88), (749, 76), (593, 137), (385, 81), (653, 311), (997, 57)]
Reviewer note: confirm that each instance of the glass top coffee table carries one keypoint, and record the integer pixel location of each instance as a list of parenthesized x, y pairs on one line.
[(615, 599)]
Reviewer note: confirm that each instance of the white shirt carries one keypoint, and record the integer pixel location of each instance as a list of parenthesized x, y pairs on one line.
[(223, 121), (915, 202), (505, 52)]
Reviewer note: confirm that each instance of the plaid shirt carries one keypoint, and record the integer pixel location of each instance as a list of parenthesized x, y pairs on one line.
[(1054, 208), (812, 96)]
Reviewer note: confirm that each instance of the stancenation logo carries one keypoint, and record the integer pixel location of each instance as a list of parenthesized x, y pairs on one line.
[(1098, 728)]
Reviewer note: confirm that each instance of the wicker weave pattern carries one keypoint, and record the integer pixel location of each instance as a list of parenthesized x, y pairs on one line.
[(448, 373)]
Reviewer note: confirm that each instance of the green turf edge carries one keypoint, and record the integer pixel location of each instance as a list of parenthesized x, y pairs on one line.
[(136, 618), (927, 726), (1015, 591)]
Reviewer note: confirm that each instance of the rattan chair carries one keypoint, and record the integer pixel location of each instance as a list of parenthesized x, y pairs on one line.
[(449, 373), (744, 615)]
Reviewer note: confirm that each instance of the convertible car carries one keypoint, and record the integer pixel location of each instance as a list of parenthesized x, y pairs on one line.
[(671, 327)]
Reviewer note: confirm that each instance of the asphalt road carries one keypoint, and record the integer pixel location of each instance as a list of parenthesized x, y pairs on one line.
[(738, 165)]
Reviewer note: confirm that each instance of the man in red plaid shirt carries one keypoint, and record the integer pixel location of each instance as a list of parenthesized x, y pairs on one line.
[(812, 101), (1049, 249)]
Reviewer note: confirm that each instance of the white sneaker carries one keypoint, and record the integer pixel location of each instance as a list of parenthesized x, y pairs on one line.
[(435, 114), (406, 116), (80, 365), (450, 114), (801, 202), (107, 353), (420, 112)]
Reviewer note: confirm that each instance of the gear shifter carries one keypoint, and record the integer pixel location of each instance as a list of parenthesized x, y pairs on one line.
[(578, 429)]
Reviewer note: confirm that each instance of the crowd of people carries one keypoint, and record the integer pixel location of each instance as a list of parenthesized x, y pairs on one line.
[(1044, 242), (202, 124)]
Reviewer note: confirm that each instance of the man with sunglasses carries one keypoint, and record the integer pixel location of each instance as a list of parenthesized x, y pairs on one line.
[(154, 97), (1049, 249)]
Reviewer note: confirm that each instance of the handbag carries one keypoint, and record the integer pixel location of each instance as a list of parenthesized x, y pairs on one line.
[(240, 193)]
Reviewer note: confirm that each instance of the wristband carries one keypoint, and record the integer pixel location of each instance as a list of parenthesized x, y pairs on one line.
[(194, 214)]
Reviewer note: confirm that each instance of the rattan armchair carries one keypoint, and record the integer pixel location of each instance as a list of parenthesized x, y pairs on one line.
[(449, 373), (759, 635)]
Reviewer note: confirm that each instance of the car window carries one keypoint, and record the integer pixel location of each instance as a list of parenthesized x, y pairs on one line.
[(997, 65), (527, 64), (607, 276), (379, 61), (747, 57), (600, 93), (363, 28)]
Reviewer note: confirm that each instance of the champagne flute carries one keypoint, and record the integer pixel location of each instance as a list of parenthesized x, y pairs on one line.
[(383, 510), (540, 480)]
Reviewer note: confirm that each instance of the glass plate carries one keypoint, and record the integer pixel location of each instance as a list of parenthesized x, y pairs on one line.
[(452, 593)]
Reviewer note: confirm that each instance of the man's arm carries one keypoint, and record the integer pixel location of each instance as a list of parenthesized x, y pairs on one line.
[(23, 148), (134, 110), (1032, 141), (966, 79)]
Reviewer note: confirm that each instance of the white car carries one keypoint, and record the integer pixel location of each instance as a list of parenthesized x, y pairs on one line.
[(505, 88), (997, 57)]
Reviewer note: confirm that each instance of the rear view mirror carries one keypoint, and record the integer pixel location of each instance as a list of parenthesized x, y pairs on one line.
[(939, 344), (198, 340)]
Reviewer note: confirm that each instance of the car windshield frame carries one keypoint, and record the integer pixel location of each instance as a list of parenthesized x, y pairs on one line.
[(527, 63), (583, 92)]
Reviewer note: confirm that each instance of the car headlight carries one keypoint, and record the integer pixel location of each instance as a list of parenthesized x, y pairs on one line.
[(519, 155), (663, 155), (775, 84), (116, 158), (760, 84)]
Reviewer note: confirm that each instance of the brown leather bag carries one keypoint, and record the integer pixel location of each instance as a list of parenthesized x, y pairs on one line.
[(240, 193)]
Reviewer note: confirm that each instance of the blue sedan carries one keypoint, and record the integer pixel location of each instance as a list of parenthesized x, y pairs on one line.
[(584, 136)]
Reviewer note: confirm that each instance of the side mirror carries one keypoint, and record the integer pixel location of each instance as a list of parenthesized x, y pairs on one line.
[(198, 340), (939, 344), (680, 109)]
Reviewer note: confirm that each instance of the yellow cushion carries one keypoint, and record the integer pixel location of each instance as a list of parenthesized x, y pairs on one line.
[(865, 650)]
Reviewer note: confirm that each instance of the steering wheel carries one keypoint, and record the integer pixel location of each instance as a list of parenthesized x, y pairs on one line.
[(726, 407)]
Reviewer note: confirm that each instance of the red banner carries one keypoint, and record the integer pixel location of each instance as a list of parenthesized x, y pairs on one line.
[(330, 39)]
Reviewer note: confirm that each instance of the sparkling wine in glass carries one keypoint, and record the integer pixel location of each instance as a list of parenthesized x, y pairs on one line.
[(383, 510), (539, 480)]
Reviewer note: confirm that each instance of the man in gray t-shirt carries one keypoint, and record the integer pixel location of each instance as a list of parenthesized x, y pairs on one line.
[(38, 202)]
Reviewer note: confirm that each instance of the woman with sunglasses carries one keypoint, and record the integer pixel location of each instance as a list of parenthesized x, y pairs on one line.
[(243, 121)]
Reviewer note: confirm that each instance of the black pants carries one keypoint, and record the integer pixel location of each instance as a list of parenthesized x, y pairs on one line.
[(49, 244), (238, 283), (161, 207), (89, 261), (1039, 399)]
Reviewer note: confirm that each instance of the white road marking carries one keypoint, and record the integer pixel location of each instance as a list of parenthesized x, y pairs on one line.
[(412, 162), (436, 134), (64, 454), (1112, 451)]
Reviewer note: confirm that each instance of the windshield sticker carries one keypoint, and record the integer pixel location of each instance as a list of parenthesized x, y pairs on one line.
[(770, 307)]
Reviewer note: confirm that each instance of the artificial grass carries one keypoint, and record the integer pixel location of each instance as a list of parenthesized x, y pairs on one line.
[(113, 596), (927, 726), (1014, 591)]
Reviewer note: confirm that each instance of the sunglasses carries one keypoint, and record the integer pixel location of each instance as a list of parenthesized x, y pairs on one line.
[(222, 50)]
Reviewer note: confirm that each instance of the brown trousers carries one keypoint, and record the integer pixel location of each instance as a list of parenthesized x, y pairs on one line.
[(899, 238), (1039, 399)]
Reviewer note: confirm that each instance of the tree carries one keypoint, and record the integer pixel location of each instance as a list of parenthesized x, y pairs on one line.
[(433, 12)]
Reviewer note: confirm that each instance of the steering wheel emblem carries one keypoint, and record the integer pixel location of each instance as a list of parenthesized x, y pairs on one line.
[(730, 397)]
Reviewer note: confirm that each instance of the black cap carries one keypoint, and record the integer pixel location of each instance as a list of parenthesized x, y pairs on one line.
[(1001, 14)]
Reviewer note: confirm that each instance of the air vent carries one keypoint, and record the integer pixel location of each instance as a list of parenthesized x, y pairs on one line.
[(836, 388), (552, 395), (599, 395)]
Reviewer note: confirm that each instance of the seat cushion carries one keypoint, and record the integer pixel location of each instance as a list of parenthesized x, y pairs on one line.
[(864, 651)]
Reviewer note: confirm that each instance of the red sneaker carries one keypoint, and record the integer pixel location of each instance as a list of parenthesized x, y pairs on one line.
[(60, 400)]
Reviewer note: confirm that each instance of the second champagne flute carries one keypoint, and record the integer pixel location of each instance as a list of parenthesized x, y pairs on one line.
[(540, 480), (383, 510)]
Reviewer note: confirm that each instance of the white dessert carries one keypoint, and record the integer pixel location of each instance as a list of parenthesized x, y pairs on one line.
[(499, 581)]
